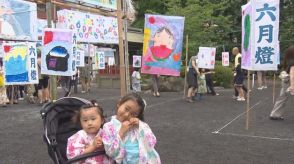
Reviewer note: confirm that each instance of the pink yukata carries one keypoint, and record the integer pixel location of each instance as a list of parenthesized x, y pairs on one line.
[(76, 145), (142, 137)]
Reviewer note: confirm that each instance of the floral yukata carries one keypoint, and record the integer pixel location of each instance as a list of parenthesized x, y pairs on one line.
[(137, 146), (76, 145)]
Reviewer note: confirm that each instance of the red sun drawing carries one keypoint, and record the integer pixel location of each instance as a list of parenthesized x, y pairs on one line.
[(151, 20), (48, 37), (7, 49)]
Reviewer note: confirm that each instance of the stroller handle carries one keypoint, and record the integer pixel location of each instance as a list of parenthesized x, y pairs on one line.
[(84, 156)]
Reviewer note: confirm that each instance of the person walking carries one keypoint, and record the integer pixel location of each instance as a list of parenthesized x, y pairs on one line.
[(261, 80), (209, 82), (136, 80), (287, 86), (192, 79), (202, 89), (155, 83), (237, 55), (85, 75), (3, 96)]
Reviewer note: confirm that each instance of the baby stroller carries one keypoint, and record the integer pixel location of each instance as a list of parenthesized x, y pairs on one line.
[(58, 127)]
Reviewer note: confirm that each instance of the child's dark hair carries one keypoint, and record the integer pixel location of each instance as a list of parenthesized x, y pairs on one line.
[(93, 104), (166, 29), (137, 98), (201, 70)]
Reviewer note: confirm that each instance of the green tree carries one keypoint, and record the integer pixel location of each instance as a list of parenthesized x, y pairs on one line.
[(143, 7), (213, 22)]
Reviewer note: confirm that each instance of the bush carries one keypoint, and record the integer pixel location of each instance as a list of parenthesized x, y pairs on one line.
[(223, 75)]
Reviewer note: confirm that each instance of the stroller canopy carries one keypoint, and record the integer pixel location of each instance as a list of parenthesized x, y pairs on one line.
[(58, 125)]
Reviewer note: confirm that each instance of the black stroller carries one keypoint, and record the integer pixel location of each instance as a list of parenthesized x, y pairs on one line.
[(58, 127)]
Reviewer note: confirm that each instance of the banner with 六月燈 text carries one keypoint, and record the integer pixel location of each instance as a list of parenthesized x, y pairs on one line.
[(58, 52), (20, 63), (260, 32), (80, 58), (100, 60), (89, 28)]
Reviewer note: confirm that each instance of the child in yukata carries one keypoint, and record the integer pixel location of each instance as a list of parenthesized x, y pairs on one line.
[(88, 139), (202, 89), (126, 138), (163, 45)]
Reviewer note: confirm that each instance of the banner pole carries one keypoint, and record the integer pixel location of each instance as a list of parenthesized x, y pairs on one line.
[(274, 88), (248, 100), (12, 95), (186, 63), (121, 49), (52, 79)]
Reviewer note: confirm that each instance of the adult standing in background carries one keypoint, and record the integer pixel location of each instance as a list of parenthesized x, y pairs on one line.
[(237, 55), (85, 75), (287, 87), (3, 97), (209, 82), (261, 80), (192, 79), (155, 83), (42, 87)]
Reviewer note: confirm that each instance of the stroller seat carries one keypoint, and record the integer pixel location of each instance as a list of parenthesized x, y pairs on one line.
[(58, 127)]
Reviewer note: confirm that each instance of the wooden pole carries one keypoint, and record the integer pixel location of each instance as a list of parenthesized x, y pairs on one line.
[(274, 88), (121, 50), (52, 79), (248, 100), (126, 47), (12, 95), (186, 63)]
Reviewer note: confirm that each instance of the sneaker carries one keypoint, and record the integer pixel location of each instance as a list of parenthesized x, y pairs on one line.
[(83, 91), (264, 87), (190, 100), (217, 94), (260, 88), (21, 98), (276, 118), (235, 97), (241, 99)]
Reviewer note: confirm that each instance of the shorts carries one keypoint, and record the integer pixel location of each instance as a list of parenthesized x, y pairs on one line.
[(43, 83), (192, 78)]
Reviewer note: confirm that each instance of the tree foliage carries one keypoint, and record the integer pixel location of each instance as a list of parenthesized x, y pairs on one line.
[(213, 22)]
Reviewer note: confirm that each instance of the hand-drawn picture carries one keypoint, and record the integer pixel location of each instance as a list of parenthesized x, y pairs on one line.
[(162, 49), (18, 20), (57, 52), (136, 61), (89, 28), (20, 61)]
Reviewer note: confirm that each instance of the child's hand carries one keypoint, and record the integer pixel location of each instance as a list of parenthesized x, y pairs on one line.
[(134, 121), (125, 126), (98, 142)]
